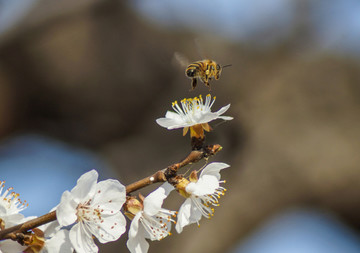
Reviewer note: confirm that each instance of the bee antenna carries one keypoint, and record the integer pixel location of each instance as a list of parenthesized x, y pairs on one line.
[(227, 66)]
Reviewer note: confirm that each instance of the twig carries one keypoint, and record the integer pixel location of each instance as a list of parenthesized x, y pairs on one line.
[(160, 176)]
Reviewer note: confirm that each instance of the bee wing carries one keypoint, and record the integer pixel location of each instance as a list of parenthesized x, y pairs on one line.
[(181, 59)]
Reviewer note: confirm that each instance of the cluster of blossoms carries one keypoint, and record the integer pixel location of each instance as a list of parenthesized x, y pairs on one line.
[(93, 209)]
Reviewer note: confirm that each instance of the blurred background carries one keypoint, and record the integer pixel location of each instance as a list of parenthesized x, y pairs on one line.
[(82, 82)]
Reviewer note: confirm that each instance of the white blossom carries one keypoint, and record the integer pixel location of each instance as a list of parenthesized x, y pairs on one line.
[(152, 222), (10, 208), (94, 207), (10, 202), (193, 111), (201, 196)]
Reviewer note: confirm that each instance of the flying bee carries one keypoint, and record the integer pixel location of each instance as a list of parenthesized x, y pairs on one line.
[(204, 70)]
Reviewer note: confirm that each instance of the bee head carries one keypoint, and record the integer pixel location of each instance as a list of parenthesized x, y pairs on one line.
[(218, 71), (190, 72)]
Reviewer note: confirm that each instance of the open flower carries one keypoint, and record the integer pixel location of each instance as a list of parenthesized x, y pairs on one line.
[(10, 202), (193, 114), (149, 219), (10, 208), (95, 210), (201, 194)]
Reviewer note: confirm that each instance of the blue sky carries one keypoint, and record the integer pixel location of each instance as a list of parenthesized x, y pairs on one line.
[(335, 24)]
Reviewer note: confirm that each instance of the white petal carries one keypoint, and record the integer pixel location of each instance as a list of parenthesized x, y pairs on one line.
[(207, 184), (112, 227), (214, 169), (174, 116), (59, 243), (3, 209), (13, 219), (164, 122), (82, 240), (183, 218), (207, 117), (9, 246), (137, 242), (85, 187), (172, 120), (223, 109), (225, 117), (50, 228), (154, 201), (195, 213), (110, 195), (66, 211)]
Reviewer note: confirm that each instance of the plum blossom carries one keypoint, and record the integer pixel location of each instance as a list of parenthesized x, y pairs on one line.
[(94, 209), (10, 202), (201, 194), (195, 114), (149, 219), (10, 208)]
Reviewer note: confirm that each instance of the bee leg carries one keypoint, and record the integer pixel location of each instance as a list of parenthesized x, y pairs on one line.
[(208, 85), (193, 83)]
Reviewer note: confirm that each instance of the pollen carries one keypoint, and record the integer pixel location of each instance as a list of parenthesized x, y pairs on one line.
[(10, 200)]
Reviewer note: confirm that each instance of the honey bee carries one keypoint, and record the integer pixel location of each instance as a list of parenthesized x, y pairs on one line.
[(204, 70)]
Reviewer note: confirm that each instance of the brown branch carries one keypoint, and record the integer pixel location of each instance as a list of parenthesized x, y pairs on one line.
[(159, 176), (8, 233), (155, 178)]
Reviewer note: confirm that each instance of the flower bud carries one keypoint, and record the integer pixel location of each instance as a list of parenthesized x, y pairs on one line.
[(132, 206), (35, 241), (193, 176)]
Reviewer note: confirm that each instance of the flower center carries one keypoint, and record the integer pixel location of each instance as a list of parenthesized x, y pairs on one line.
[(204, 203), (158, 226), (86, 213), (10, 200)]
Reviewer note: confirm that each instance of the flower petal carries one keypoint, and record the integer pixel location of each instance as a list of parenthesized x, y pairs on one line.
[(110, 195), (214, 169), (154, 201), (81, 239), (223, 109), (110, 229), (195, 213), (183, 215), (225, 117), (207, 117), (174, 116), (172, 120), (50, 229), (9, 246), (85, 187), (164, 122), (207, 184), (137, 242), (66, 211), (60, 242)]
